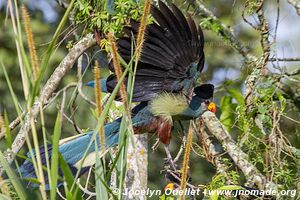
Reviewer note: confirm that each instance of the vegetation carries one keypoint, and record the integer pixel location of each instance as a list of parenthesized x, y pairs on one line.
[(257, 96)]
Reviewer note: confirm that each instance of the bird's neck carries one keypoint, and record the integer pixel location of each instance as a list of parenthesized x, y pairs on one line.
[(195, 103), (194, 109), (195, 106)]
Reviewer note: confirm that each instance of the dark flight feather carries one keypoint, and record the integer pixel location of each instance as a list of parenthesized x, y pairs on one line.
[(173, 45)]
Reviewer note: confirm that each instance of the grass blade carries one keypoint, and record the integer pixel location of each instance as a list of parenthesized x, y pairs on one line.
[(13, 178), (54, 158), (69, 178), (49, 52), (101, 191), (7, 130)]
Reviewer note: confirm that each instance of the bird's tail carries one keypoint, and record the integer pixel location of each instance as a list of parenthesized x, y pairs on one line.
[(72, 150)]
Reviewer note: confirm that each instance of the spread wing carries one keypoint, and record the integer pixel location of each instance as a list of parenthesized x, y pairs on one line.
[(172, 55)]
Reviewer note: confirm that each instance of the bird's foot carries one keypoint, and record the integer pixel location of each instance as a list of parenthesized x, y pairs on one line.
[(169, 159), (170, 164), (155, 145), (181, 149)]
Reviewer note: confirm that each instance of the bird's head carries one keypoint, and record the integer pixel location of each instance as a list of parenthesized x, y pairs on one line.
[(206, 92)]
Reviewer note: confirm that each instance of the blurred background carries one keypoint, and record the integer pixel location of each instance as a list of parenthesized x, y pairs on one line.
[(224, 67)]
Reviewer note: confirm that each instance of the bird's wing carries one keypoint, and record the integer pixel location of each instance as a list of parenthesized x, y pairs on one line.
[(172, 54)]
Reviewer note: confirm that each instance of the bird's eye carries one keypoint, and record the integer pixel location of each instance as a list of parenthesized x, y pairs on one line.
[(206, 101)]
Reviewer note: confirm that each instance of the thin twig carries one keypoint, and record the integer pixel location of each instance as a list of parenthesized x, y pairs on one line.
[(77, 129), (277, 20), (284, 59), (260, 67), (84, 189)]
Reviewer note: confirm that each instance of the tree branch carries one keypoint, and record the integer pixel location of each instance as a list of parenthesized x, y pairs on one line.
[(238, 156), (46, 92), (226, 32), (210, 152), (259, 68), (284, 59), (137, 166)]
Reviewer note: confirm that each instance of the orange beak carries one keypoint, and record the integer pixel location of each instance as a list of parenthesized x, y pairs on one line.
[(212, 107), (170, 186)]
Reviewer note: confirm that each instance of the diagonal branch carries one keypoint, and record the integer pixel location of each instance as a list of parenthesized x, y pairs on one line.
[(238, 156), (46, 92), (225, 32), (210, 152)]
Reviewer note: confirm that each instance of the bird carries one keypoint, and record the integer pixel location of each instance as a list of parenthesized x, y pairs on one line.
[(165, 88)]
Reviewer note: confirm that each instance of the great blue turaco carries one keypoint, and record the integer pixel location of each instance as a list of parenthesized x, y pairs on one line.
[(171, 61)]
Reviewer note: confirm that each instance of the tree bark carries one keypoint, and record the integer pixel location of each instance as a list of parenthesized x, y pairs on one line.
[(137, 167)]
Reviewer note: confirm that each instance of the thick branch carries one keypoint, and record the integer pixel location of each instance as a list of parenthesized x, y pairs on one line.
[(46, 93), (238, 156), (137, 166), (210, 152)]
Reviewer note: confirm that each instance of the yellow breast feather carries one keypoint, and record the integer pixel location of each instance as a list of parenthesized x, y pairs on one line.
[(168, 105)]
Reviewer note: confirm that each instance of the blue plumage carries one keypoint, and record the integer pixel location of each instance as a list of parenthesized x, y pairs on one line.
[(102, 83), (171, 61), (72, 151)]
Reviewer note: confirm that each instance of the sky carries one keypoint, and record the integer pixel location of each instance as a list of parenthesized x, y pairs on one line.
[(47, 7)]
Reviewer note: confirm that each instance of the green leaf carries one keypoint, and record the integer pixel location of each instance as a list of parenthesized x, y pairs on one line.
[(262, 109), (216, 27), (282, 101), (69, 178), (101, 192), (13, 95), (296, 152), (32, 180), (49, 51), (162, 197), (227, 115), (3, 197), (13, 178), (237, 95), (7, 130), (54, 157), (216, 179)]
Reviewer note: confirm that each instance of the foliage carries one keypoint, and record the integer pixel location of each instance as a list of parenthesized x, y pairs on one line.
[(253, 125), (107, 16), (257, 124)]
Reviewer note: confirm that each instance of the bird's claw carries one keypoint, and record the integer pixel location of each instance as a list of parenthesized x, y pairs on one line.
[(171, 164), (169, 158), (180, 150), (155, 145)]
